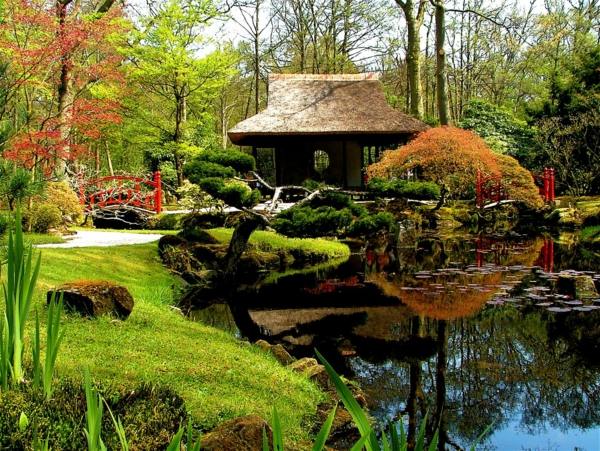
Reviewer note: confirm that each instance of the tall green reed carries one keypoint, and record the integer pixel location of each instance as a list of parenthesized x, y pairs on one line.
[(93, 416), (21, 277), (43, 374)]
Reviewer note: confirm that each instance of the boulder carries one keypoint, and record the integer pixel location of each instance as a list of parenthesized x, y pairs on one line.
[(314, 371), (579, 286), (95, 298), (240, 434), (278, 351)]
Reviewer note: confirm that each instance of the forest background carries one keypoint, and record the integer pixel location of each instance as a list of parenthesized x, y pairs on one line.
[(103, 87)]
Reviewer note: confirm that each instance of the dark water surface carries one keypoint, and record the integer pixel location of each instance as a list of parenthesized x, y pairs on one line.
[(475, 330)]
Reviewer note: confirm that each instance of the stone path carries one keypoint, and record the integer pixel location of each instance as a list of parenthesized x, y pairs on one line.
[(93, 238)]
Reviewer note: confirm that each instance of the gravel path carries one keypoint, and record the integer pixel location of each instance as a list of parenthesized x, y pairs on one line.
[(104, 239)]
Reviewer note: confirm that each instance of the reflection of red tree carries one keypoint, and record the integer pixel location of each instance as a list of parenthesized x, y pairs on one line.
[(331, 285), (450, 302)]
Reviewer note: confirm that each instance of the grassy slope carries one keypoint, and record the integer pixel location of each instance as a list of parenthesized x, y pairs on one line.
[(208, 367), (273, 241), (35, 238)]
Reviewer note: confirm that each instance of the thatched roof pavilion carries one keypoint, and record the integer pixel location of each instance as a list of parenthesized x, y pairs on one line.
[(325, 126)]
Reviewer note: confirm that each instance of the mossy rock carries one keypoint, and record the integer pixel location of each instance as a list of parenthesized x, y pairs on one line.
[(95, 298)]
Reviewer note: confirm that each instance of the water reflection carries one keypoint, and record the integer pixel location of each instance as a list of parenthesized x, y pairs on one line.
[(458, 327)]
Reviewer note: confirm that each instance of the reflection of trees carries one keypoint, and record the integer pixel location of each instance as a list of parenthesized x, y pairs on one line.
[(501, 366)]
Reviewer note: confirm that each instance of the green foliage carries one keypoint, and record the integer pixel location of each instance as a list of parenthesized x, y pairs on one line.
[(43, 217), (93, 416), (149, 415), (64, 198), (198, 169), (21, 278), (5, 223), (233, 192), (165, 221), (399, 188), (17, 184), (370, 224), (501, 130), (331, 214), (240, 161), (54, 337), (306, 221)]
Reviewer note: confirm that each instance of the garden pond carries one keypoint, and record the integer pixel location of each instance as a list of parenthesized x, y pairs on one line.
[(486, 329)]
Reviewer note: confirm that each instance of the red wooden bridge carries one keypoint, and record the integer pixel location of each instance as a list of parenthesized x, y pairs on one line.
[(122, 191)]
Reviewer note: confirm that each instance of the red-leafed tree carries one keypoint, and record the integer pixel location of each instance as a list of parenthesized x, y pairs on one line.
[(62, 79)]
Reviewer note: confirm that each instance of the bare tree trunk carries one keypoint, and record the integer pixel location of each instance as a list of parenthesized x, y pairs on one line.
[(440, 69), (413, 53), (63, 92), (109, 159)]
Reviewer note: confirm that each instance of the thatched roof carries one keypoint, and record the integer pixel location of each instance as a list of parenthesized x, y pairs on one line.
[(321, 105)]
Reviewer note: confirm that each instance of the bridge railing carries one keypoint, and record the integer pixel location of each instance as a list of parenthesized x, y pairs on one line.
[(122, 190), (489, 188)]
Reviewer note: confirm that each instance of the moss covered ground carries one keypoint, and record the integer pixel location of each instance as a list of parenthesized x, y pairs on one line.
[(271, 241), (207, 367)]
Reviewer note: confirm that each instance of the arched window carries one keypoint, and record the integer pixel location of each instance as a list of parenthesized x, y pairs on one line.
[(321, 161)]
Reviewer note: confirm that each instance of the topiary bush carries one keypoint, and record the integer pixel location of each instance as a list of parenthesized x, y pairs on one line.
[(197, 170), (306, 221), (370, 224), (404, 189), (233, 192), (151, 415), (240, 161)]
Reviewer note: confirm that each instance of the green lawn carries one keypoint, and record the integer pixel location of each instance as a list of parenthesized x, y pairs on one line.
[(218, 376), (36, 238), (269, 241)]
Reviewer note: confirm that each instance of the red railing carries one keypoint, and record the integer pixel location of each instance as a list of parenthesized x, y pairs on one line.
[(123, 190)]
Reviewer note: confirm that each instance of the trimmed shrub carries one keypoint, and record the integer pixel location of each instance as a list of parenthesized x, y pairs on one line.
[(236, 159), (62, 196), (404, 189), (339, 201), (233, 192), (165, 222), (519, 183), (198, 169), (305, 221), (41, 218), (368, 225), (151, 415)]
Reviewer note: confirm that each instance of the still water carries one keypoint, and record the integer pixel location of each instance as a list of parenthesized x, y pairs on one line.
[(481, 332)]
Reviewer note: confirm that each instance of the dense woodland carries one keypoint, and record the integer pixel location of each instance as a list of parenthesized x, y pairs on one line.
[(90, 87)]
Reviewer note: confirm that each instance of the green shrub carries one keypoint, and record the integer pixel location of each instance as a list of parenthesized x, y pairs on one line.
[(198, 169), (305, 221), (43, 217), (62, 196), (370, 224), (151, 415), (5, 223), (404, 189), (165, 222), (233, 192), (236, 159), (339, 201)]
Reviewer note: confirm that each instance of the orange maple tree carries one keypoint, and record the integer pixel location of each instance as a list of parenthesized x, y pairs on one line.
[(449, 156)]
